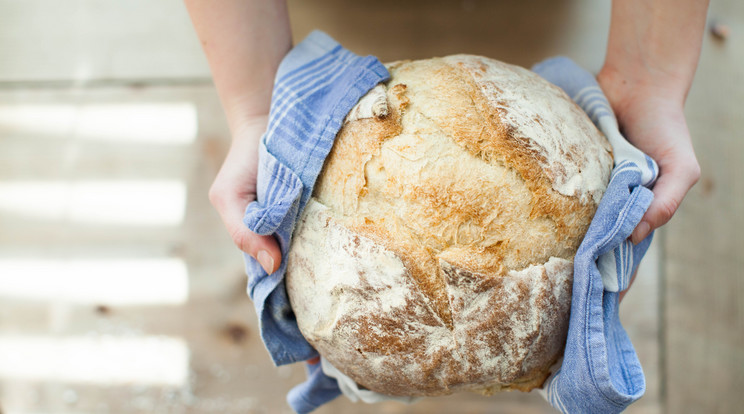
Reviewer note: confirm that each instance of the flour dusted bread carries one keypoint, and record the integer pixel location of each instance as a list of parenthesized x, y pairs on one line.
[(436, 252)]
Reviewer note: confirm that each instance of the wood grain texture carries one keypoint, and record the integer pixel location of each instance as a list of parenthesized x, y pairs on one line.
[(87, 41), (84, 42), (512, 31), (704, 310)]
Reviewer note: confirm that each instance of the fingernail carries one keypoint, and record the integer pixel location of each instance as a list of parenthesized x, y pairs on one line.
[(640, 232), (313, 361), (265, 260)]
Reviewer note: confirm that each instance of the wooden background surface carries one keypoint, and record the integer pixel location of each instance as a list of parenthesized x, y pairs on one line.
[(684, 314)]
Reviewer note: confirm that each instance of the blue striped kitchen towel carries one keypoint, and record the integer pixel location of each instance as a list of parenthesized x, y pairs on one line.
[(316, 85), (600, 371)]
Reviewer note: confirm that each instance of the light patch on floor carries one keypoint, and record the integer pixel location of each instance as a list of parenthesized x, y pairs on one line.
[(167, 123), (100, 360), (96, 281), (111, 202)]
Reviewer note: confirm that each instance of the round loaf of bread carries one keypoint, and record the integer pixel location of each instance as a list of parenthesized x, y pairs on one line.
[(436, 252)]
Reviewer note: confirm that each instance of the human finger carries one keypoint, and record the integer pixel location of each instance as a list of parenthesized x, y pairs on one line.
[(674, 182), (262, 248)]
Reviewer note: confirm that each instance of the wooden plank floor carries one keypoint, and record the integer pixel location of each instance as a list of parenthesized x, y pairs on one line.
[(87, 41), (73, 80), (704, 264)]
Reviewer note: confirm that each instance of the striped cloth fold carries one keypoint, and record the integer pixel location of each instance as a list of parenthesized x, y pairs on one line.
[(316, 85), (600, 371)]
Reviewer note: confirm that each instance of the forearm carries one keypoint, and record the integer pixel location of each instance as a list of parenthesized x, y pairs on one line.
[(655, 44), (244, 41), (652, 54)]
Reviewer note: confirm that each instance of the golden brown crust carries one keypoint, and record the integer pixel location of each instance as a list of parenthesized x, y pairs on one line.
[(476, 219), (376, 324)]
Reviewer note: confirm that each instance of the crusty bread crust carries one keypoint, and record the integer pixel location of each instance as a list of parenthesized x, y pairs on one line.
[(436, 252)]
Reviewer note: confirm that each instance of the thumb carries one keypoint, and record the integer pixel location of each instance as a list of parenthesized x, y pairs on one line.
[(264, 249)]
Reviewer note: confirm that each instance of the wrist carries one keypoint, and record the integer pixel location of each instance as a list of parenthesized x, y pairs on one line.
[(653, 47), (648, 67), (625, 88), (247, 110), (249, 126)]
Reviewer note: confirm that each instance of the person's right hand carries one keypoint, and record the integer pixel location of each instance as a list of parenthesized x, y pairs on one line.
[(235, 187)]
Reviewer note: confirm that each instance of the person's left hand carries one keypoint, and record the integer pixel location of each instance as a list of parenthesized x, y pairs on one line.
[(652, 119)]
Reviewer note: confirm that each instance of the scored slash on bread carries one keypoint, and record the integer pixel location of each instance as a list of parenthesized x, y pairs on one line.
[(435, 254)]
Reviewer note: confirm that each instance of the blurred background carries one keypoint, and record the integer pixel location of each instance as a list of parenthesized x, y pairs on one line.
[(120, 292)]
